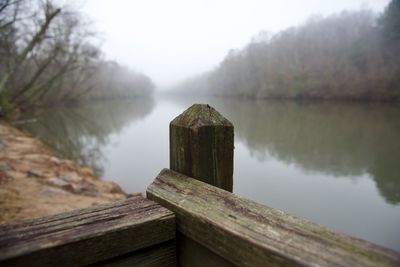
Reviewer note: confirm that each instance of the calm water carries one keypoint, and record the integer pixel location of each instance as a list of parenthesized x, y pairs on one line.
[(335, 164)]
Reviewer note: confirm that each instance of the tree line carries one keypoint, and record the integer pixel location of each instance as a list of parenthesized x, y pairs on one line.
[(50, 55), (352, 55)]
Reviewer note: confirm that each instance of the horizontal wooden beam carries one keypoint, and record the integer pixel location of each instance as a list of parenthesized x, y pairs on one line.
[(250, 234), (87, 236), (162, 255)]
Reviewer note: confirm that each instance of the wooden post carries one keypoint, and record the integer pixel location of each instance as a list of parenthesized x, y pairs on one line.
[(201, 146)]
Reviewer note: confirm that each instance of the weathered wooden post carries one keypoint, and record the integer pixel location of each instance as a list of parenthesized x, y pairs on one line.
[(218, 228), (201, 146)]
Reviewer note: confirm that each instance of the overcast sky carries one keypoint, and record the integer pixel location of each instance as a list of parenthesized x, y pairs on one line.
[(170, 40)]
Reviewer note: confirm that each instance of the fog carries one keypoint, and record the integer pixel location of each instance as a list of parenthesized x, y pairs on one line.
[(172, 40), (311, 87)]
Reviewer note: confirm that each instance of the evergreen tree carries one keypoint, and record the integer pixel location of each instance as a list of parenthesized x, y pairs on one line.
[(390, 21)]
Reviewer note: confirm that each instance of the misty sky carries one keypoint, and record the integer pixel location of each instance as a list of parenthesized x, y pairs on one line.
[(170, 40)]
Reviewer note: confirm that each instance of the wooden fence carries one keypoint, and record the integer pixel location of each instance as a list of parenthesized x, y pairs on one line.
[(190, 218)]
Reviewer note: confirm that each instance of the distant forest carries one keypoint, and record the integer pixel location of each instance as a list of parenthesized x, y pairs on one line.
[(49, 55), (352, 55)]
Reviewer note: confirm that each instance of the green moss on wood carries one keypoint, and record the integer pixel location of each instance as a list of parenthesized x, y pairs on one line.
[(200, 115), (201, 146), (250, 234)]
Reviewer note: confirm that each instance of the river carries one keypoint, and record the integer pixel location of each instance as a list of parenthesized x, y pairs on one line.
[(337, 164)]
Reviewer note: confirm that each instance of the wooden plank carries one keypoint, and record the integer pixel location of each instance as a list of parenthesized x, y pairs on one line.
[(161, 255), (201, 146), (249, 234), (86, 236), (193, 254)]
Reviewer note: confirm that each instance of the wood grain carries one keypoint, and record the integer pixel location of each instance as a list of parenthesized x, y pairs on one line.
[(249, 234), (201, 146), (162, 255), (86, 236)]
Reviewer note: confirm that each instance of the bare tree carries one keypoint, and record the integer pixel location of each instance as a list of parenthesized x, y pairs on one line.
[(50, 14), (49, 55), (338, 57)]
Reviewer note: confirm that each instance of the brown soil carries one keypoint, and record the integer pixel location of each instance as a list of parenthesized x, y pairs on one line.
[(33, 182)]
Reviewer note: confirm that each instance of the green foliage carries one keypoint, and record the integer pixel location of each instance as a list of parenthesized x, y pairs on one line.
[(4, 107), (390, 21)]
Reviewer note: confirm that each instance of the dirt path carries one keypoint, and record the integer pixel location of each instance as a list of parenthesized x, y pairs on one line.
[(33, 182)]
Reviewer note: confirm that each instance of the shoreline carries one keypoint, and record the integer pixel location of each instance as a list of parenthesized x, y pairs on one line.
[(34, 182)]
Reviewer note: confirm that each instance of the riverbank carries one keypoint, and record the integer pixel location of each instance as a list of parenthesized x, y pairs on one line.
[(34, 182)]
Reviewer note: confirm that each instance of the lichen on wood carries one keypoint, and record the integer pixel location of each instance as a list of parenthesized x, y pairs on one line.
[(199, 115), (88, 236), (250, 234), (201, 146)]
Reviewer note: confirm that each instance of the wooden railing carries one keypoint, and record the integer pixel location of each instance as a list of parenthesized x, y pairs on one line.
[(135, 230), (197, 221)]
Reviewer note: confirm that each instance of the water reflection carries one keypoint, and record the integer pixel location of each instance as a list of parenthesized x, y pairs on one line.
[(333, 163), (79, 133), (339, 139)]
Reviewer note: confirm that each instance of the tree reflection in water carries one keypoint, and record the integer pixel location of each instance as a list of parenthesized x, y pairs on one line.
[(339, 139), (78, 133)]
